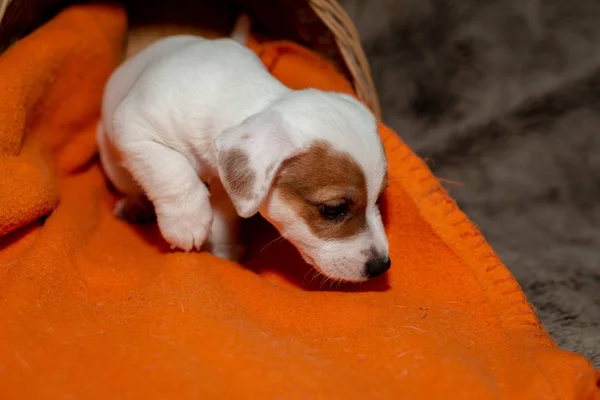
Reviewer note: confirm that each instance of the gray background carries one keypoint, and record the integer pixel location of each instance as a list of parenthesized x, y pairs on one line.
[(504, 97)]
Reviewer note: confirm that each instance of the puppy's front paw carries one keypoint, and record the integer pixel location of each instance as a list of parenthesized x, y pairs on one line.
[(185, 229)]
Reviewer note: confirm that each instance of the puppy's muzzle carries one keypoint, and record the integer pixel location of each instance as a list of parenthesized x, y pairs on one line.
[(378, 266)]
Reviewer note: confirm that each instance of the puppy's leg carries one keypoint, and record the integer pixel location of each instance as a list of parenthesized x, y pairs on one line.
[(181, 200), (134, 207), (224, 239), (111, 162)]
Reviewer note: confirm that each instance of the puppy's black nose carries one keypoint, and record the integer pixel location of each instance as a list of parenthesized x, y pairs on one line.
[(378, 266)]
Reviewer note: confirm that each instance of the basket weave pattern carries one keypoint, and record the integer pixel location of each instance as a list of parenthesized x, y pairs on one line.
[(348, 42)]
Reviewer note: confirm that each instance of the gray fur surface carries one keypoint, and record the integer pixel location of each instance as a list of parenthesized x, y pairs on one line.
[(504, 97)]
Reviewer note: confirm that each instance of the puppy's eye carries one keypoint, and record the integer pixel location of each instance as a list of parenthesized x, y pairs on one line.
[(333, 212)]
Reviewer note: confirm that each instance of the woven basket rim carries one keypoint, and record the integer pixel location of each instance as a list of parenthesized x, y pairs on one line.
[(348, 41)]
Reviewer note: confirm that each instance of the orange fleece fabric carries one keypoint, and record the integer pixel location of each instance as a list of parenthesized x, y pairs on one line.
[(92, 307)]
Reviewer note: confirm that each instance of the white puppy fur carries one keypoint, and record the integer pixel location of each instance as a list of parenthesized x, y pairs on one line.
[(176, 116)]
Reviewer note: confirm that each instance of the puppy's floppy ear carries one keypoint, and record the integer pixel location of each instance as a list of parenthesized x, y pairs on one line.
[(248, 157)]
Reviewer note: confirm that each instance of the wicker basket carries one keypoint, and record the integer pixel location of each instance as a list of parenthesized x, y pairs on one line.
[(319, 24)]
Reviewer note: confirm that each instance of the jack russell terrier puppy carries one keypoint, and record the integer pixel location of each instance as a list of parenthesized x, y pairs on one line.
[(198, 132)]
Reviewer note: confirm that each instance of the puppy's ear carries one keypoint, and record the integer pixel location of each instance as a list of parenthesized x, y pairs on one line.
[(248, 157)]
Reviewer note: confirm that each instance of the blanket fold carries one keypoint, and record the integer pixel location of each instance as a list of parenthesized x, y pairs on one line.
[(94, 308)]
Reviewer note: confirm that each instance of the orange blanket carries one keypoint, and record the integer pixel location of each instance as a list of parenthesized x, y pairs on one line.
[(94, 308)]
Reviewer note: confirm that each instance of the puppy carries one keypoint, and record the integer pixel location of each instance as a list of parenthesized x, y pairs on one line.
[(200, 132)]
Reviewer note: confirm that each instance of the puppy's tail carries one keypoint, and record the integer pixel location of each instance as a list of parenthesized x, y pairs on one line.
[(241, 30)]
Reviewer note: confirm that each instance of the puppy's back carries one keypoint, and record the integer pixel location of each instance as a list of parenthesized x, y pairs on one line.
[(205, 87), (126, 75)]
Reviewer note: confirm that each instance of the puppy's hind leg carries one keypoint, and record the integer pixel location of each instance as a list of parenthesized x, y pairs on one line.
[(135, 209), (224, 239), (134, 206)]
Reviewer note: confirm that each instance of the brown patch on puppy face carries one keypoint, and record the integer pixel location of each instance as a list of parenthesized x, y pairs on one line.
[(238, 174), (328, 190)]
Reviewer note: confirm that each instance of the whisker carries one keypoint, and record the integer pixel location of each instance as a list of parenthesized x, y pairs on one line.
[(315, 274), (305, 275), (323, 282), (280, 238)]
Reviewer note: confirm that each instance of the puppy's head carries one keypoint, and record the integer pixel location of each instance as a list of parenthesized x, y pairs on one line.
[(314, 166)]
